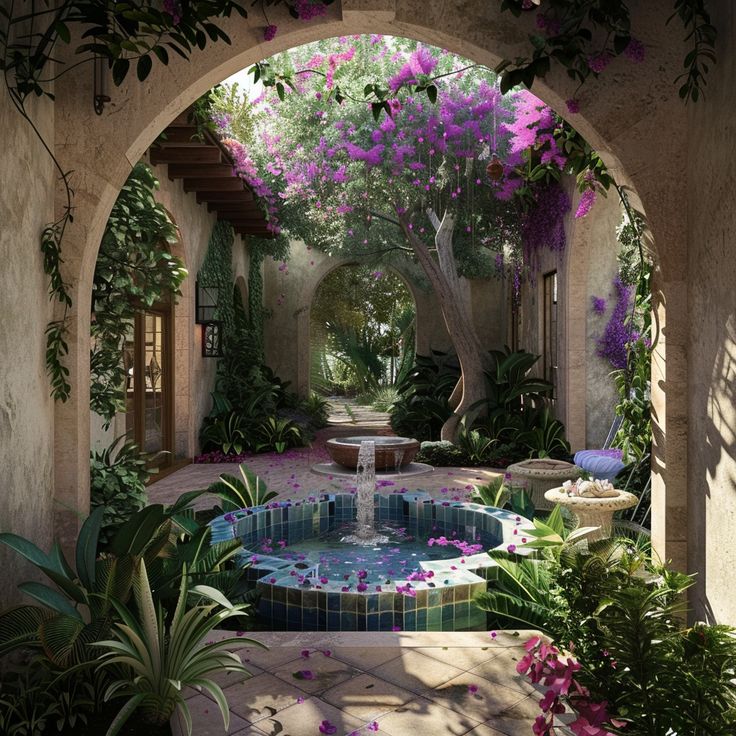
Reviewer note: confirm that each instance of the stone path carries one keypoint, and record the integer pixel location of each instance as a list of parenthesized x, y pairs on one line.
[(289, 474), (408, 683)]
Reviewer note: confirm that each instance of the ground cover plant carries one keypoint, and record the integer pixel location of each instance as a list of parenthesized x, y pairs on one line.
[(102, 601), (622, 656)]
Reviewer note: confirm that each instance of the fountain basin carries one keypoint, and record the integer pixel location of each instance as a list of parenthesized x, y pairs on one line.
[(296, 595), (392, 453)]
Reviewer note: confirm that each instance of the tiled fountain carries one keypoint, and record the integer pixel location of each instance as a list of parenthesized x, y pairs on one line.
[(369, 561)]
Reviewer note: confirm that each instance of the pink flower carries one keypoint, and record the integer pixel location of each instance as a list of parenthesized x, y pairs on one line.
[(327, 727), (300, 700), (511, 549), (587, 200), (636, 51), (269, 33)]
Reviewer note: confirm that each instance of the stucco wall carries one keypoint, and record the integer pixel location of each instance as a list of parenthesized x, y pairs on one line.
[(194, 376), (288, 295), (585, 393), (712, 307), (26, 409)]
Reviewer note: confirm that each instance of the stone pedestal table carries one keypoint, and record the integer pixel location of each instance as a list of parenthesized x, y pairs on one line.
[(593, 511)]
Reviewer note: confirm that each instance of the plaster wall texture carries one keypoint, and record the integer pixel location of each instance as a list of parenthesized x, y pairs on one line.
[(631, 115), (26, 409), (288, 295), (711, 492), (194, 376), (585, 393)]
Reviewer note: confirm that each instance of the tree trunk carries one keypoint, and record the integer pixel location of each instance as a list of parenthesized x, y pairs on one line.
[(442, 274)]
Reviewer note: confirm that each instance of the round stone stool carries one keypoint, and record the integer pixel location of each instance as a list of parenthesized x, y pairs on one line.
[(539, 475), (591, 511)]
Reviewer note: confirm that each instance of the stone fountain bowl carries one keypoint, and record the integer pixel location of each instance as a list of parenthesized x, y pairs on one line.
[(392, 453)]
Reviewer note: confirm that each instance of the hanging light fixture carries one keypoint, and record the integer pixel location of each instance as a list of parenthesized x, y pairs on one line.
[(99, 86), (495, 168), (212, 339)]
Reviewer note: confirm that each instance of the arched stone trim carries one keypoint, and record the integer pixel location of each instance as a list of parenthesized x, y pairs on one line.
[(624, 112)]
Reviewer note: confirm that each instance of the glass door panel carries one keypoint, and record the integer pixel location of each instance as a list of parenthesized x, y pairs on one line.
[(155, 383)]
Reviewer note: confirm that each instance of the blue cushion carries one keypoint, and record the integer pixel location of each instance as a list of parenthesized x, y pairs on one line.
[(599, 463)]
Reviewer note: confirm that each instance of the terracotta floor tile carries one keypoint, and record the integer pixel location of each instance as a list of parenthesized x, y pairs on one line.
[(304, 720), (206, 719), (464, 658), (490, 698), (416, 672), (422, 717), (366, 658), (326, 673), (502, 669), (367, 697), (261, 697)]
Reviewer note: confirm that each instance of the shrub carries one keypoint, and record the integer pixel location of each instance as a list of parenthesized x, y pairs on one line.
[(118, 478)]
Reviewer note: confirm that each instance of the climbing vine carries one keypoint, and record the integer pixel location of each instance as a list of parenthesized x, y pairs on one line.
[(133, 34), (134, 270)]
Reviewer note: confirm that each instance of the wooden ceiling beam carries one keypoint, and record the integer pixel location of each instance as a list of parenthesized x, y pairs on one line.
[(206, 171), (186, 135), (234, 207), (186, 155), (204, 184), (225, 197)]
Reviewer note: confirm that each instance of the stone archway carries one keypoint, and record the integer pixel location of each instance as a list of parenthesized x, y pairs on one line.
[(623, 113)]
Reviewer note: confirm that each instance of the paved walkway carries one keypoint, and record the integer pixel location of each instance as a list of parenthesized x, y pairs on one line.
[(409, 684), (289, 474)]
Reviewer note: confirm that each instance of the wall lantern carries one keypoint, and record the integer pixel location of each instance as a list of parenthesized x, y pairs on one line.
[(212, 339), (495, 168), (99, 84), (205, 303)]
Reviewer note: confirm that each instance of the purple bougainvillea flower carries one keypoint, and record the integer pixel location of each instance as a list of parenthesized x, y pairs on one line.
[(327, 727), (305, 653), (573, 106), (472, 689), (269, 33), (360, 587), (511, 548), (327, 652), (636, 51), (396, 628), (372, 726), (493, 634), (300, 700), (304, 675), (323, 579)]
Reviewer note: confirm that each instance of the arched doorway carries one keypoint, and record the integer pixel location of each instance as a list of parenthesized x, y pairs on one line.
[(620, 121)]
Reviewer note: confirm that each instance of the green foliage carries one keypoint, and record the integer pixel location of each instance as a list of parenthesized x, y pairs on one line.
[(499, 495), (422, 407), (440, 454), (159, 662), (546, 438), (26, 706), (317, 409), (241, 493), (621, 615), (226, 433), (383, 398), (278, 434), (363, 318), (134, 270), (118, 477), (581, 23), (473, 444)]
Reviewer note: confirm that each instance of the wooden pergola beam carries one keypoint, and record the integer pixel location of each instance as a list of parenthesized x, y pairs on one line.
[(207, 171), (186, 155), (201, 184), (225, 197)]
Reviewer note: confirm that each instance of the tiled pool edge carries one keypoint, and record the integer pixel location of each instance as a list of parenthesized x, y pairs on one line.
[(433, 606)]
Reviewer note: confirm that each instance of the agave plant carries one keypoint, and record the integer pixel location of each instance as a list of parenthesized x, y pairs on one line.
[(79, 610), (160, 663), (278, 434), (240, 493), (225, 433)]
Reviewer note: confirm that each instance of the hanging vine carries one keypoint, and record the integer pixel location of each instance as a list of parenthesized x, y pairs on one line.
[(134, 270)]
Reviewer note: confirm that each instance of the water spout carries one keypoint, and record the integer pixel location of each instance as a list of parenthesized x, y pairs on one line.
[(365, 531), (366, 483)]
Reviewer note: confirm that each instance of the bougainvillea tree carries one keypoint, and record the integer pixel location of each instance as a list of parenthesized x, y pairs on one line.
[(413, 184)]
